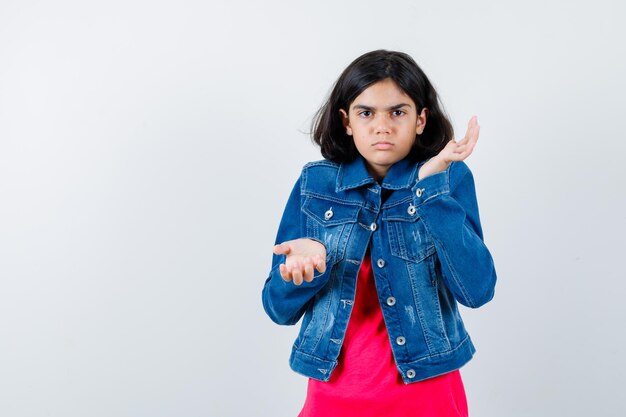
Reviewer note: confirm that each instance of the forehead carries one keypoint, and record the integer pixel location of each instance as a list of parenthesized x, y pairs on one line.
[(383, 93)]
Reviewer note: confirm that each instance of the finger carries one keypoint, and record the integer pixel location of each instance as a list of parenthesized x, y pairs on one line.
[(296, 265), (473, 129), (476, 133), (308, 272), (297, 277), (282, 249), (320, 264), (469, 133), (283, 273)]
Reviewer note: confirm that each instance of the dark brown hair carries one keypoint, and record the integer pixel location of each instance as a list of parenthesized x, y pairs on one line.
[(328, 130)]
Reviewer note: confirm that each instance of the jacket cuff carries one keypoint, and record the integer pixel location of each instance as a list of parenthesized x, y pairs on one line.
[(431, 186), (317, 240)]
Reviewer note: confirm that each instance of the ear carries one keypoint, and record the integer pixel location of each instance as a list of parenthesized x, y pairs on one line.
[(421, 121), (346, 121)]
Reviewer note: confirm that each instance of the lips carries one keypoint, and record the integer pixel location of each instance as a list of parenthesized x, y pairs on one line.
[(382, 145)]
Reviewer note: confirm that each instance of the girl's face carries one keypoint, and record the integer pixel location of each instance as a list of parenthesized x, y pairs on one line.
[(383, 121)]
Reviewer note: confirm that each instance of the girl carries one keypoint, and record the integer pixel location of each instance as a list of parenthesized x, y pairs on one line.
[(389, 220)]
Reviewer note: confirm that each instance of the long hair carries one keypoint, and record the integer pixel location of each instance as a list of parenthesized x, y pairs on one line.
[(327, 127)]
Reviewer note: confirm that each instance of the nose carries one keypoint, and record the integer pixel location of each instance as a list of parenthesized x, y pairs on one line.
[(382, 124)]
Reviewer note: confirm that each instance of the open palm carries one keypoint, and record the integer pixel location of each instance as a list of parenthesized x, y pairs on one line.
[(458, 151), (303, 256), (453, 151)]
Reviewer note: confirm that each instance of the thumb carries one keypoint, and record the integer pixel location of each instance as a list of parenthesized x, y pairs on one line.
[(282, 249)]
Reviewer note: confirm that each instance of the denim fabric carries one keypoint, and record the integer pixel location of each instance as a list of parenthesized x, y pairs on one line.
[(427, 252)]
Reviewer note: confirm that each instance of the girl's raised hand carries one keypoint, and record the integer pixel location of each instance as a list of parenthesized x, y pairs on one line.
[(453, 151), (458, 151), (303, 255)]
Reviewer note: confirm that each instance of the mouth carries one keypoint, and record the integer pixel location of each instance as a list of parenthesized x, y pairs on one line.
[(382, 145)]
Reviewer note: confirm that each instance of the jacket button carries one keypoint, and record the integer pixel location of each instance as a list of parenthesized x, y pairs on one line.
[(410, 373), (411, 209), (391, 301), (328, 214), (419, 192), (400, 340), (373, 227), (380, 263)]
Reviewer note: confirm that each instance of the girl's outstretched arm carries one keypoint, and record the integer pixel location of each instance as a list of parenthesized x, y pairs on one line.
[(292, 282), (446, 202)]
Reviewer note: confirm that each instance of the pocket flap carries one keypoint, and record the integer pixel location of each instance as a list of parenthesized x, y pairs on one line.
[(330, 213), (404, 212)]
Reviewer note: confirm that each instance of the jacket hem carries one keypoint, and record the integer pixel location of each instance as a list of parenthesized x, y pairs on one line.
[(435, 365), (421, 369)]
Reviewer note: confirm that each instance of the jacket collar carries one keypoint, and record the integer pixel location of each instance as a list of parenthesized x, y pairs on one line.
[(354, 174)]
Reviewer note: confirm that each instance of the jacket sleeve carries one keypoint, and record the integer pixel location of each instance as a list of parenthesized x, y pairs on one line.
[(447, 204), (284, 302)]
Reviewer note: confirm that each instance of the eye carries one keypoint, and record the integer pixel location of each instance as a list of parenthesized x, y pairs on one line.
[(365, 113), (398, 112)]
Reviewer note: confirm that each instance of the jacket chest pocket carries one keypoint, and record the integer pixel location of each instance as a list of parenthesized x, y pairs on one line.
[(330, 222), (408, 237)]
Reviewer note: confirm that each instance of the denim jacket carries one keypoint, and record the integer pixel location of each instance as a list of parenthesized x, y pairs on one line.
[(427, 251)]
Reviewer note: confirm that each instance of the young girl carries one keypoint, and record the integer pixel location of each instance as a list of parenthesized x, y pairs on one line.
[(377, 244)]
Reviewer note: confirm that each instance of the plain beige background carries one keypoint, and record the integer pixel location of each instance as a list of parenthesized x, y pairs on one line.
[(147, 149)]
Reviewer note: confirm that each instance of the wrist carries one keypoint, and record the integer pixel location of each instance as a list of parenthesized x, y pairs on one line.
[(434, 165)]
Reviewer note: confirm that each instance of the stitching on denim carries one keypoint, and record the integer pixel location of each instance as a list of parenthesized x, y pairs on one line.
[(446, 352), (338, 178), (359, 184), (326, 197), (316, 358), (410, 179), (303, 176), (434, 196), (397, 187), (321, 162), (364, 226)]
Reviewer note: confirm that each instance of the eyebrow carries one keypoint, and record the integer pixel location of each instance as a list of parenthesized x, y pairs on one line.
[(370, 108)]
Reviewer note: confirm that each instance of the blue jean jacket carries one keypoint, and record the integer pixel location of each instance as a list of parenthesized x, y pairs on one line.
[(427, 252)]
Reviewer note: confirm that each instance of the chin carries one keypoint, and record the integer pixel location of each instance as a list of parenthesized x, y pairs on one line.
[(386, 161)]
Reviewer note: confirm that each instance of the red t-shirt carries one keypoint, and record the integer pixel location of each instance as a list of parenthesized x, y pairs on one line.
[(366, 382)]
